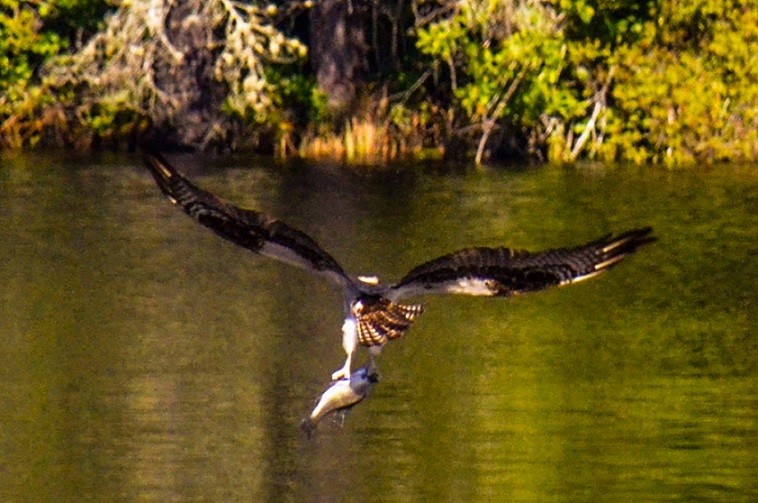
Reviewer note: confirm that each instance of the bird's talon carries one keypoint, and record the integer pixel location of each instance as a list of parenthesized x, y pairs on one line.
[(340, 374)]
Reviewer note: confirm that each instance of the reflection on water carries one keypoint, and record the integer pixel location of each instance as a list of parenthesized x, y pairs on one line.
[(144, 358)]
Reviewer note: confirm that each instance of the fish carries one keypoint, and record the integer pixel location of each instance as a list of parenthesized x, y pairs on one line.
[(341, 395)]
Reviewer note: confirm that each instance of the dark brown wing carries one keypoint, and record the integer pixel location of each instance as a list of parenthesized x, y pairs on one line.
[(250, 229), (504, 272)]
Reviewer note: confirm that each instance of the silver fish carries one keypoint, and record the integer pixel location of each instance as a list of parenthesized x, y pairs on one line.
[(341, 395)]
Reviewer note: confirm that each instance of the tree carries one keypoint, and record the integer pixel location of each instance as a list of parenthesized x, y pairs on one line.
[(655, 80), (339, 51), (191, 68)]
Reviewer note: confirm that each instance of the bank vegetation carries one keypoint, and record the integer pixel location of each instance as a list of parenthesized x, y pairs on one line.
[(659, 81)]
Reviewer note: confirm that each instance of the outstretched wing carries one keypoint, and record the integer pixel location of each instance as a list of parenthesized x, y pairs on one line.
[(505, 272), (250, 229)]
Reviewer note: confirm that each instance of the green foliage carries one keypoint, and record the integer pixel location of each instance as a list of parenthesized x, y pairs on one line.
[(653, 80), (23, 44), (30, 34), (689, 90), (611, 22), (297, 92), (656, 80), (73, 18), (512, 62)]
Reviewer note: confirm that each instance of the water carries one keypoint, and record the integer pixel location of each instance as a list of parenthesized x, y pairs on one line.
[(143, 358)]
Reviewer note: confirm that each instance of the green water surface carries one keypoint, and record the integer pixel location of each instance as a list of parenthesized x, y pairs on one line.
[(144, 359)]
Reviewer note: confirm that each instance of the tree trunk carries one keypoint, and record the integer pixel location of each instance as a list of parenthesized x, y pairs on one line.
[(339, 53), (199, 96)]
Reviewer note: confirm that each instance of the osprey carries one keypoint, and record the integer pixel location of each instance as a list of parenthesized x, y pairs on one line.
[(374, 314)]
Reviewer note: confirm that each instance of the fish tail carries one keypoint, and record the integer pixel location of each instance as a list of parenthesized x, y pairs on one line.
[(308, 425)]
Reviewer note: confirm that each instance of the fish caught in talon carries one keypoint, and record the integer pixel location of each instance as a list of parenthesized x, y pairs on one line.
[(341, 395)]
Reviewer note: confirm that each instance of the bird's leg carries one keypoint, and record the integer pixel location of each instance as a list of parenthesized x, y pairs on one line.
[(349, 343), (371, 368), (344, 372), (373, 352)]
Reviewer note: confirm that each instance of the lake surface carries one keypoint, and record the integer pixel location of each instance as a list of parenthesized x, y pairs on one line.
[(145, 359)]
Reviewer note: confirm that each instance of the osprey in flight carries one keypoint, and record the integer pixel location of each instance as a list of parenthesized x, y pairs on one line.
[(373, 311)]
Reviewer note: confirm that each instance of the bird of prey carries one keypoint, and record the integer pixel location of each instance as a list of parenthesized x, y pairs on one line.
[(374, 314)]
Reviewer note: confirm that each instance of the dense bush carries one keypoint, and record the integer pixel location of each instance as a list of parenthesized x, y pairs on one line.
[(688, 89), (31, 33), (649, 81), (643, 81)]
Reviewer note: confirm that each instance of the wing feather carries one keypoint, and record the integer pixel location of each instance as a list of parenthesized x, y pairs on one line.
[(250, 229), (380, 320), (504, 271)]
